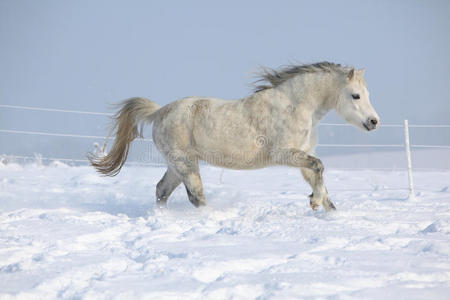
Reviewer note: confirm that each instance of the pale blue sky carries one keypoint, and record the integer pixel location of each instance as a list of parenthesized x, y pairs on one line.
[(84, 55)]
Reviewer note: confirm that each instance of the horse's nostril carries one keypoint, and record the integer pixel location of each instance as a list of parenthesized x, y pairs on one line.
[(374, 121)]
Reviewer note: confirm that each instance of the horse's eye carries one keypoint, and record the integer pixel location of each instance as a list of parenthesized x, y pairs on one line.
[(355, 96)]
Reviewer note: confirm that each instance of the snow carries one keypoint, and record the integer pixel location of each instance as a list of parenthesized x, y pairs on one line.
[(66, 232)]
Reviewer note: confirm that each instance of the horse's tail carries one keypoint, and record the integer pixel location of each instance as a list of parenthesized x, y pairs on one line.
[(133, 114)]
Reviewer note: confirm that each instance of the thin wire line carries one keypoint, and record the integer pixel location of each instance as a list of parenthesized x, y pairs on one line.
[(349, 125), (62, 134), (430, 126), (361, 145), (72, 159), (431, 146), (55, 110), (389, 125), (110, 114)]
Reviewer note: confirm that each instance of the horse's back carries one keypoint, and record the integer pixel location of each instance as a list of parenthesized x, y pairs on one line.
[(175, 123)]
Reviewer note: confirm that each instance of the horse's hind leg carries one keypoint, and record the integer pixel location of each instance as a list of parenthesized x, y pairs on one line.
[(166, 186), (194, 189), (309, 177), (189, 173)]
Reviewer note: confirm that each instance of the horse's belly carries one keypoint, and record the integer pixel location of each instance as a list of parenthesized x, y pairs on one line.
[(232, 153), (238, 160)]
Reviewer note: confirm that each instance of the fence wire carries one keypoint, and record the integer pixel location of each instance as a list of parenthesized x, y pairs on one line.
[(71, 135)]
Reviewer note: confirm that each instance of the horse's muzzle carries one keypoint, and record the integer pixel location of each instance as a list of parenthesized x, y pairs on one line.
[(371, 123)]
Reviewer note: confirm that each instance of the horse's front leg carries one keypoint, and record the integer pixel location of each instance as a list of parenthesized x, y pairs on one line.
[(300, 159), (308, 175)]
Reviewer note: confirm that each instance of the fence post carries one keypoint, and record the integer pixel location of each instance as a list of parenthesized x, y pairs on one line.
[(408, 157)]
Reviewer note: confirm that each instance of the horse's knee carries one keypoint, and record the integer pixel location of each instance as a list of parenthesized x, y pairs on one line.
[(316, 164)]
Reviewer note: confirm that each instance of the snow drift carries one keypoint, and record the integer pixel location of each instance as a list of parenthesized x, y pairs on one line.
[(66, 232)]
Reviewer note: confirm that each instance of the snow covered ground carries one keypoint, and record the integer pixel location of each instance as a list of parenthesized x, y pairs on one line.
[(66, 232)]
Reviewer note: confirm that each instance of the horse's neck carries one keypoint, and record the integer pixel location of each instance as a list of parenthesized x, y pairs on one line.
[(318, 115), (312, 96), (315, 93)]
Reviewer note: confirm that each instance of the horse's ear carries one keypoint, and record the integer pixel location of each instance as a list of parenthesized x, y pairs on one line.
[(361, 72), (351, 74)]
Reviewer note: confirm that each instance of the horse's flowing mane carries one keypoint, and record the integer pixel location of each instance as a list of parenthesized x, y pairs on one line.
[(272, 78)]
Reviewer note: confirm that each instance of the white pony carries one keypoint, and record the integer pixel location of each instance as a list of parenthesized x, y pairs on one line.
[(276, 125)]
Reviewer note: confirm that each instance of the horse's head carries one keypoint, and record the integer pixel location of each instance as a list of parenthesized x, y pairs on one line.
[(353, 102)]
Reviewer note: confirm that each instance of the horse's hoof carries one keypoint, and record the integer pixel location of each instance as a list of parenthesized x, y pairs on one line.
[(331, 206), (161, 204), (328, 205), (198, 203), (314, 206)]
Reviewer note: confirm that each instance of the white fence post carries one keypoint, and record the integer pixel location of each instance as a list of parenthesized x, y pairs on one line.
[(408, 157)]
